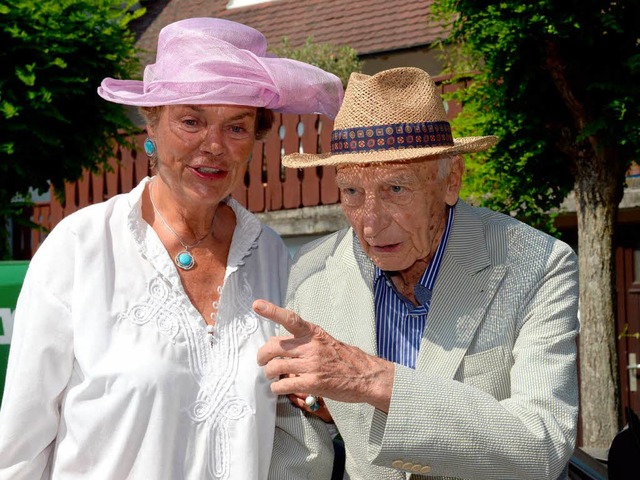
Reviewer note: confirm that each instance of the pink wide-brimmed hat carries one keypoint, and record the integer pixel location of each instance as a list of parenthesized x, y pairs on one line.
[(211, 61), (394, 115)]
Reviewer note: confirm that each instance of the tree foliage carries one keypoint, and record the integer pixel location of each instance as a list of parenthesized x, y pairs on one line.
[(53, 124), (341, 60), (555, 80), (559, 82)]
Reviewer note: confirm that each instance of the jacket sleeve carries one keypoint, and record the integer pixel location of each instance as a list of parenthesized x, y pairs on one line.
[(302, 445), (39, 368), (456, 429)]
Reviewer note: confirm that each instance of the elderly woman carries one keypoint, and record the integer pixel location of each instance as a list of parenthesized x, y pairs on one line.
[(134, 350)]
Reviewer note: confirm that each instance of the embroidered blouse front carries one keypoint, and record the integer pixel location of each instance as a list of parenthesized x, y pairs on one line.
[(120, 379)]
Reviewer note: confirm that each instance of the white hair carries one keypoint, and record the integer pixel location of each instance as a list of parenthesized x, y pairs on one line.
[(445, 164)]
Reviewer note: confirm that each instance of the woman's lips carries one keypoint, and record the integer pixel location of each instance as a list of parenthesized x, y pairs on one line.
[(209, 172)]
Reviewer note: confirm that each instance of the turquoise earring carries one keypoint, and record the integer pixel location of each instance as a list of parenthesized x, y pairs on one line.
[(149, 147)]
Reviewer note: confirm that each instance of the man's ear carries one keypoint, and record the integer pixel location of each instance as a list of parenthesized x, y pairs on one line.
[(454, 180)]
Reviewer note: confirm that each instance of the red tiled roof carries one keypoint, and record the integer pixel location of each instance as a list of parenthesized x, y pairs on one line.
[(371, 26)]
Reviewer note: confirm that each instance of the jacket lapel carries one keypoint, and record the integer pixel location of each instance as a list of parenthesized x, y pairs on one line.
[(466, 284), (350, 274), (464, 288)]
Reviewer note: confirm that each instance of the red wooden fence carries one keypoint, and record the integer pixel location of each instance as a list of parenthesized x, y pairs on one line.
[(267, 186)]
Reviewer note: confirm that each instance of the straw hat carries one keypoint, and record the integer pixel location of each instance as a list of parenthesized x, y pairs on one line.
[(207, 61), (394, 115)]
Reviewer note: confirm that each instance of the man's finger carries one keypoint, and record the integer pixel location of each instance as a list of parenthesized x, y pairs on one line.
[(288, 319)]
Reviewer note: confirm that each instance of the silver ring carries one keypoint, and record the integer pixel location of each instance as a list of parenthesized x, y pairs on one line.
[(312, 403)]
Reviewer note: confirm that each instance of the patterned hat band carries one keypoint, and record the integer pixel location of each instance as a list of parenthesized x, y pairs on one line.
[(393, 136)]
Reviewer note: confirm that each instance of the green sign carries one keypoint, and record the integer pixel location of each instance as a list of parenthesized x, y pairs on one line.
[(11, 276)]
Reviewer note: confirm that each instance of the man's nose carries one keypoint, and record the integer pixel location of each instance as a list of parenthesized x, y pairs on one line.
[(375, 216)]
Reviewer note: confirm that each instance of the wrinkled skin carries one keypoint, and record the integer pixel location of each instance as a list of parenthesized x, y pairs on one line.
[(202, 153), (398, 211)]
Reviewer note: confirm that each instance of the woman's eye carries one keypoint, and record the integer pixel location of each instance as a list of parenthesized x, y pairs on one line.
[(239, 132), (190, 122)]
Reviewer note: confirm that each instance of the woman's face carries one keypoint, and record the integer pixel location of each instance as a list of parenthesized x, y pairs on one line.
[(203, 150)]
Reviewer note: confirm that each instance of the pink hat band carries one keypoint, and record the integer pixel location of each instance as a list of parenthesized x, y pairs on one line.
[(215, 61)]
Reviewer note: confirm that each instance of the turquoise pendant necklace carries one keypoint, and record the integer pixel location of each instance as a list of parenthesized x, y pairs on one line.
[(184, 259)]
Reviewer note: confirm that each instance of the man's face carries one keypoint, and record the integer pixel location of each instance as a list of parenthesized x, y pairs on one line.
[(399, 210)]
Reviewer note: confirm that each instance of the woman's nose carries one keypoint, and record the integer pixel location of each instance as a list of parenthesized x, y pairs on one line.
[(213, 142)]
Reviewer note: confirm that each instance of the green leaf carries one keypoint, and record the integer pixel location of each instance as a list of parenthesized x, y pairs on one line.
[(59, 62), (54, 54), (26, 74), (8, 110)]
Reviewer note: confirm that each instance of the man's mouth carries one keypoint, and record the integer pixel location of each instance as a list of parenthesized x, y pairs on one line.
[(385, 248)]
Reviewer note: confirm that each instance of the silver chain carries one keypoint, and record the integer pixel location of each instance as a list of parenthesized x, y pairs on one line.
[(184, 245)]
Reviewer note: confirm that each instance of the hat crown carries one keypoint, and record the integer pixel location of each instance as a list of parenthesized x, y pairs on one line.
[(191, 50), (210, 61), (237, 34), (398, 95)]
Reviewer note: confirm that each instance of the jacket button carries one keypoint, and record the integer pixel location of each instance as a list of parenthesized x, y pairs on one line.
[(407, 466), (417, 468), (397, 464), (425, 469)]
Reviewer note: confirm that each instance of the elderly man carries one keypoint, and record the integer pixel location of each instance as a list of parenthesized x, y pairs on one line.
[(440, 336)]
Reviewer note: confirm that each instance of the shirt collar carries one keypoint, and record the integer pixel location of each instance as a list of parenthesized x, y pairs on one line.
[(428, 278)]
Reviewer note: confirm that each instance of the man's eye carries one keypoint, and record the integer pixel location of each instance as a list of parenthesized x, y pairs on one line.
[(397, 194), (351, 196)]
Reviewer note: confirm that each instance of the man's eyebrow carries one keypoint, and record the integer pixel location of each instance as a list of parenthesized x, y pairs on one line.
[(401, 178)]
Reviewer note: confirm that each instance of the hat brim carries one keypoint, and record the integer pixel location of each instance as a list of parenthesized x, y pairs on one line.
[(460, 145), (132, 92), (126, 92)]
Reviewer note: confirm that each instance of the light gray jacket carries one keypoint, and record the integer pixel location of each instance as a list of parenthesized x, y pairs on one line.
[(494, 393)]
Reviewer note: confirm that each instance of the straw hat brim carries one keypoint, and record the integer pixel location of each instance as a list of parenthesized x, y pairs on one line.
[(460, 145)]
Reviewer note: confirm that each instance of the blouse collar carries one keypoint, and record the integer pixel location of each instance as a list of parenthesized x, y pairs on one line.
[(244, 240)]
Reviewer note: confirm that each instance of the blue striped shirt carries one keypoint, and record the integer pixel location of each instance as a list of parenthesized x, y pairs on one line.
[(399, 323)]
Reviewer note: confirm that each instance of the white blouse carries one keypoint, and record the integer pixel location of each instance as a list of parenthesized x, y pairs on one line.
[(111, 374)]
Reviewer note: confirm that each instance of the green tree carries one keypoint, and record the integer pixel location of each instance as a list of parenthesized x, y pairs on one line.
[(53, 124), (339, 60), (559, 82)]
